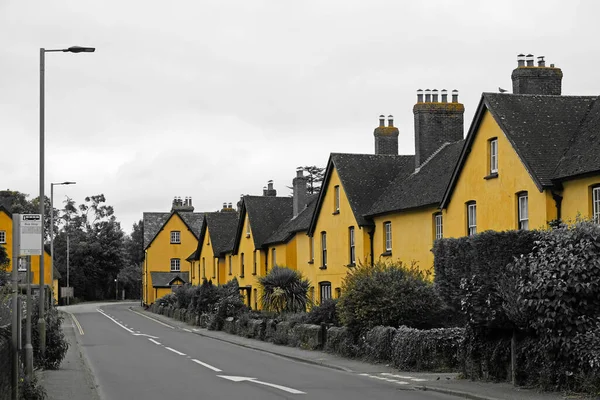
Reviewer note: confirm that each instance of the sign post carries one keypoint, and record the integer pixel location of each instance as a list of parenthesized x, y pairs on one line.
[(31, 245), (15, 319)]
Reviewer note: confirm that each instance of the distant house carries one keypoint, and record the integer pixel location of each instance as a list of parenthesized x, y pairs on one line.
[(169, 239), (33, 262)]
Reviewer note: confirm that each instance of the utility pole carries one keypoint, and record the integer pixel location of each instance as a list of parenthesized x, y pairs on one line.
[(16, 221)]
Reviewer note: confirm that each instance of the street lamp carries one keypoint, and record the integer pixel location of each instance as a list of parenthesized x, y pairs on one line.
[(52, 231), (73, 49), (116, 289)]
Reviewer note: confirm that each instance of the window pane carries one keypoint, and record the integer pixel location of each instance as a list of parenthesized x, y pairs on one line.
[(2, 236), (596, 204)]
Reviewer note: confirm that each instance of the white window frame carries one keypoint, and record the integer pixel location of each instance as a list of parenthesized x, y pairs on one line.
[(387, 229), (175, 237), (324, 249), (175, 265), (3, 237), (325, 291), (439, 226), (596, 204), (523, 211), (336, 199), (494, 156), (471, 219), (352, 245)]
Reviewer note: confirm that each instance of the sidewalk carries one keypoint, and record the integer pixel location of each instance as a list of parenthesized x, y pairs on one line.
[(74, 380), (438, 382)]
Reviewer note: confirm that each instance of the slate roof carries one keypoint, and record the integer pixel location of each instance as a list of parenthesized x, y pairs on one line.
[(554, 136), (155, 221), (540, 127), (299, 224), (424, 187), (222, 227), (266, 214), (364, 177), (164, 279), (583, 154)]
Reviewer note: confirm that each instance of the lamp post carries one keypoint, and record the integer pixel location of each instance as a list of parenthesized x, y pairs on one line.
[(52, 231), (116, 289), (73, 49)]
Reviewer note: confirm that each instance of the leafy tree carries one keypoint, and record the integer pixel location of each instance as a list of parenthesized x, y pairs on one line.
[(130, 279), (284, 290), (315, 178), (388, 294), (134, 243)]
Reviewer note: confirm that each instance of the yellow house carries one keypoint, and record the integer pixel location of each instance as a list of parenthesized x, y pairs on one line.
[(342, 235), (251, 258), (169, 238), (530, 158), (214, 245), (33, 262), (406, 216)]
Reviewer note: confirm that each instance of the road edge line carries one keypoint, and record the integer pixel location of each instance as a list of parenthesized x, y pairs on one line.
[(152, 319)]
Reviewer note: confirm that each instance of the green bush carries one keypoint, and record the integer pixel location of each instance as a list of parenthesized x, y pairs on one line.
[(168, 300), (387, 294), (376, 344), (56, 343), (556, 297), (30, 388), (325, 313), (230, 304), (183, 296), (203, 298), (426, 350), (284, 290), (341, 341)]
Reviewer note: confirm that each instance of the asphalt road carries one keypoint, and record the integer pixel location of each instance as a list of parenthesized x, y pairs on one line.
[(134, 356)]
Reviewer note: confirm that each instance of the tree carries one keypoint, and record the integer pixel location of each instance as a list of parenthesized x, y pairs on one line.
[(130, 280), (134, 243), (315, 178), (284, 290)]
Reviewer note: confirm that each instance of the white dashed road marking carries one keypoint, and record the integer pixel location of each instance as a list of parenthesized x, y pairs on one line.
[(175, 351), (206, 365)]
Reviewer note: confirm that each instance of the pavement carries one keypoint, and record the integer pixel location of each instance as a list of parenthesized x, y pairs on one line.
[(75, 379)]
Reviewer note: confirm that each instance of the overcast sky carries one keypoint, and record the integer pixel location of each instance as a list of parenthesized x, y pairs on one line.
[(211, 99)]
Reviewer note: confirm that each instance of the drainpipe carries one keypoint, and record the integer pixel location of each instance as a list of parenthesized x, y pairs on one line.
[(371, 235)]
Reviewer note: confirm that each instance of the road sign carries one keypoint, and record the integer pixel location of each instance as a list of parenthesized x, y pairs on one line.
[(66, 292), (31, 235)]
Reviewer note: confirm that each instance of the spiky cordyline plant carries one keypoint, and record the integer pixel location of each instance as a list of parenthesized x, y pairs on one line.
[(284, 290)]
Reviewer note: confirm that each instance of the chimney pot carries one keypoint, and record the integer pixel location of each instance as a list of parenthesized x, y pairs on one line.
[(299, 172), (270, 184), (444, 96), (229, 205), (455, 96), (529, 60), (551, 65), (382, 120), (521, 60), (434, 97), (391, 121), (420, 96), (427, 96), (541, 61)]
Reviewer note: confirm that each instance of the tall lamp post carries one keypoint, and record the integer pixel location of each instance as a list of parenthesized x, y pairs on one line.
[(52, 227), (73, 49)]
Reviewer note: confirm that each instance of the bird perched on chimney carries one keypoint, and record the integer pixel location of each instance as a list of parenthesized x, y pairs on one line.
[(502, 90)]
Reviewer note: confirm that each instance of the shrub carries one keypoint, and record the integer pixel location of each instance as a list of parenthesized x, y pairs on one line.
[(284, 289), (30, 388), (183, 296), (325, 313), (203, 298), (341, 341), (168, 300), (230, 304), (56, 343), (387, 294), (376, 344), (427, 350)]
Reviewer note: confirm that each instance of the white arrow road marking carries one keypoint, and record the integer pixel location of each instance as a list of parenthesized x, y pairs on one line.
[(144, 334), (113, 320), (154, 341), (153, 319), (175, 351), (206, 365), (253, 380)]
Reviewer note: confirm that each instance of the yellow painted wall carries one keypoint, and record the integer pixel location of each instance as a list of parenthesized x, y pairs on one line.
[(203, 268), (336, 225), (161, 251), (496, 198), (577, 198), (249, 278), (413, 233)]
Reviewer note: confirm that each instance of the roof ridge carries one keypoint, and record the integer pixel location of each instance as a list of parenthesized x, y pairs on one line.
[(435, 153)]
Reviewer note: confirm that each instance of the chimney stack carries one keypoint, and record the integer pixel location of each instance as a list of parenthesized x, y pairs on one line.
[(300, 191), (269, 191), (386, 137), (181, 205), (436, 123), (529, 79)]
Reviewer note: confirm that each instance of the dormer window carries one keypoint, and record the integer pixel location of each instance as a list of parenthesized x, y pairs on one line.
[(493, 143), (175, 237)]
